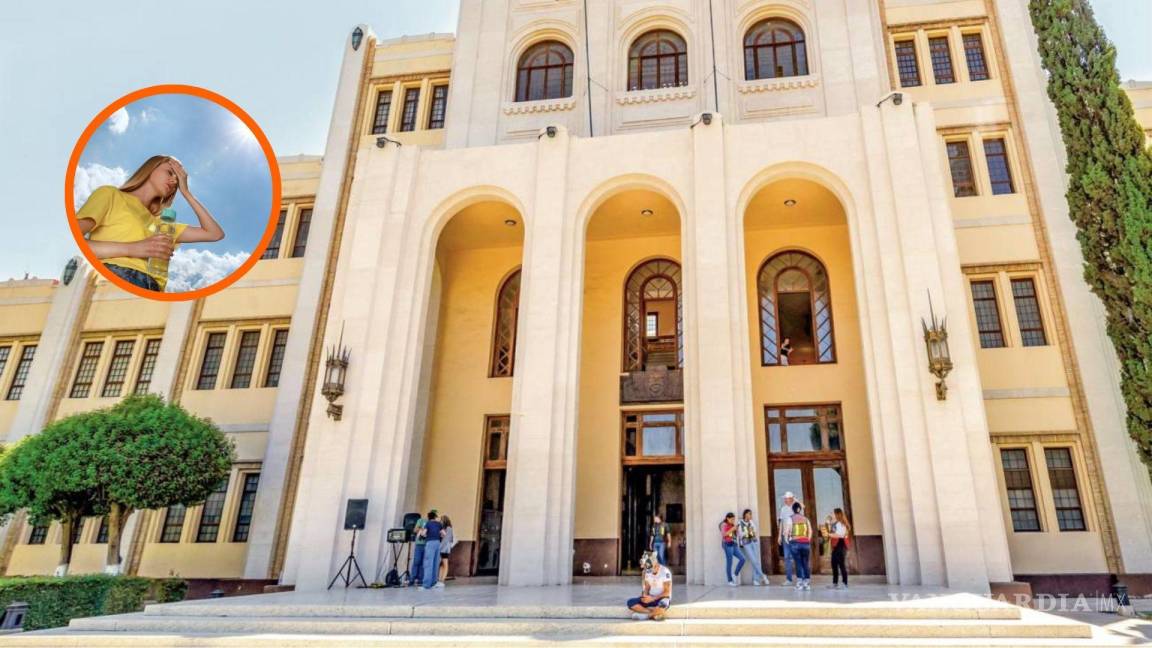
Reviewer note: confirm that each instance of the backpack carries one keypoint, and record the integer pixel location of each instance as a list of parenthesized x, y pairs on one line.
[(800, 530)]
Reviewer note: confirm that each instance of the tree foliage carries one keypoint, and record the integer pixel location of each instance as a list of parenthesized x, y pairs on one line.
[(1109, 190), (140, 453)]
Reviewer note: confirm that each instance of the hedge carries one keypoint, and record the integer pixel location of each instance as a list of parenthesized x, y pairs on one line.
[(53, 602)]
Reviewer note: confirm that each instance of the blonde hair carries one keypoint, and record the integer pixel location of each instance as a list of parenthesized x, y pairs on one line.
[(141, 176)]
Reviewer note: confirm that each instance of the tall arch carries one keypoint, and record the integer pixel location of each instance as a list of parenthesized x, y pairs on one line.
[(502, 362)]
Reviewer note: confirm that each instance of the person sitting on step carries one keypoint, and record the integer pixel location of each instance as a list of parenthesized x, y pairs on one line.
[(656, 595)]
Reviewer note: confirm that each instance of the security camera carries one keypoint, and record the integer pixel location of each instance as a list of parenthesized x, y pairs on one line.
[(551, 131), (897, 98), (706, 118)]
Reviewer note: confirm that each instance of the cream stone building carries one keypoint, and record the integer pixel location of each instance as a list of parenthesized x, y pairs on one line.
[(598, 260)]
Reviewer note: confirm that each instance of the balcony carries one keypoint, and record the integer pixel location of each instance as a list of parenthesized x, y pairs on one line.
[(660, 381)]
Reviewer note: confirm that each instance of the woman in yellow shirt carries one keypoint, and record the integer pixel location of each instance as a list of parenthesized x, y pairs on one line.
[(116, 221)]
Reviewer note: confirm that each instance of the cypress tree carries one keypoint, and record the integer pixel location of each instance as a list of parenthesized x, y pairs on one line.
[(1109, 190)]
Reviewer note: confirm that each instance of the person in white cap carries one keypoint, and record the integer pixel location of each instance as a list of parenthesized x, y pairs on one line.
[(783, 521)]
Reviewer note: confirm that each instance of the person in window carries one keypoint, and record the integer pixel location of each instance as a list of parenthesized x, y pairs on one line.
[(656, 593), (659, 538), (731, 549), (839, 531), (117, 221), (798, 535), (446, 549), (433, 533), (783, 518), (785, 350), (748, 537)]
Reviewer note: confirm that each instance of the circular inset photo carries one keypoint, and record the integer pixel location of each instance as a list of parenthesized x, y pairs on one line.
[(172, 192)]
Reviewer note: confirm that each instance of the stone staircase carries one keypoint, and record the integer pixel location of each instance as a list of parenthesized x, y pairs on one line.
[(451, 618)]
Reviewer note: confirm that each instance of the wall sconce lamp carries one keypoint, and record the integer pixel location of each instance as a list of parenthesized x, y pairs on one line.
[(550, 131), (896, 97), (70, 269), (704, 117), (383, 141), (357, 38), (939, 358), (335, 373)]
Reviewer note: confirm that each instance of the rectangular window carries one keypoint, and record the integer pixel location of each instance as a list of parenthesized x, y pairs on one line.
[(147, 365), (811, 428), (653, 436), (118, 368), (86, 370), (960, 163), (439, 106), (652, 325), (39, 534), (210, 366), (1021, 496), (1062, 476), (5, 351), (906, 63), (496, 442), (77, 529), (102, 531), (383, 109), (974, 54), (211, 515), (941, 60), (273, 249), (16, 389), (987, 315), (245, 359), (999, 173), (173, 524), (247, 503), (302, 227), (1028, 312), (276, 358), (411, 101)]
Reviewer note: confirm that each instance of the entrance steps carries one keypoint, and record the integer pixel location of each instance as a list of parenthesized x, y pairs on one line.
[(575, 617)]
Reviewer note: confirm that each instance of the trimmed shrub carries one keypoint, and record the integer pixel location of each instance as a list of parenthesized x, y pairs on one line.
[(53, 602)]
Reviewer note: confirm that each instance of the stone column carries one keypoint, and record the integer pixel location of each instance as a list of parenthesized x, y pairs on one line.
[(537, 535), (270, 498), (719, 448)]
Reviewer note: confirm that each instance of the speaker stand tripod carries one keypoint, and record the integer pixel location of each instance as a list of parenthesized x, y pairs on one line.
[(350, 564)]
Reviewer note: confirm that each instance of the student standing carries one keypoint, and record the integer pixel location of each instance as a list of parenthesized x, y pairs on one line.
[(749, 539), (839, 533), (433, 532), (798, 534), (783, 519), (728, 540), (446, 549), (660, 538)]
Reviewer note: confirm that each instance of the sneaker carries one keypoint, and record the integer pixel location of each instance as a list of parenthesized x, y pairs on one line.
[(807, 584), (439, 584), (799, 585), (636, 616), (732, 584)]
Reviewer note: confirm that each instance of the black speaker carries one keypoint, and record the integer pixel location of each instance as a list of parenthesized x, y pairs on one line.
[(357, 511), (410, 520)]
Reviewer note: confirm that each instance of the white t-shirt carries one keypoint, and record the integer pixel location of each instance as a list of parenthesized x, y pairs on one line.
[(784, 516), (839, 529), (658, 582)]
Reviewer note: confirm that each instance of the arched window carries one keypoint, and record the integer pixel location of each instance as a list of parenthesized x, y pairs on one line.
[(658, 59), (795, 306), (544, 72), (774, 48), (504, 331), (653, 325)]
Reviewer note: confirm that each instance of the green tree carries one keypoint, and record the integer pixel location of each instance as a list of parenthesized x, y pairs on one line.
[(163, 456), (1109, 190), (140, 453)]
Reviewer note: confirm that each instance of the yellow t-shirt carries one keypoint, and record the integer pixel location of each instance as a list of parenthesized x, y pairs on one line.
[(121, 217)]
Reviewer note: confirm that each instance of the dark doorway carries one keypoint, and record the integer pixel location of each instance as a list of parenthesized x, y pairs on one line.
[(493, 480), (649, 490)]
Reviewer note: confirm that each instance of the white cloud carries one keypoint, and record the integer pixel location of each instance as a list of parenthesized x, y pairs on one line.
[(194, 269), (91, 176), (118, 122), (149, 115)]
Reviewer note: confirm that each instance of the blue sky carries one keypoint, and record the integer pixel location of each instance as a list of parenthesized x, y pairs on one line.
[(61, 62), (227, 172)]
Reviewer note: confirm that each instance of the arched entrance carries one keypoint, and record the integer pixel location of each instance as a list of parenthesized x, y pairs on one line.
[(473, 317), (630, 463), (809, 393)]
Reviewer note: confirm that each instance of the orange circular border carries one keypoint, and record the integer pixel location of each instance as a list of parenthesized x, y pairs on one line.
[(82, 143)]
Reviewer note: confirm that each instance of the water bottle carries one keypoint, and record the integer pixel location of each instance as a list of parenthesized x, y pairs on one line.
[(165, 225)]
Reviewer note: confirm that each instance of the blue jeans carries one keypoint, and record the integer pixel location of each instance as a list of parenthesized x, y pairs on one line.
[(417, 563), (633, 602), (658, 547), (732, 551), (751, 551), (800, 553), (431, 563), (788, 560), (134, 277)]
